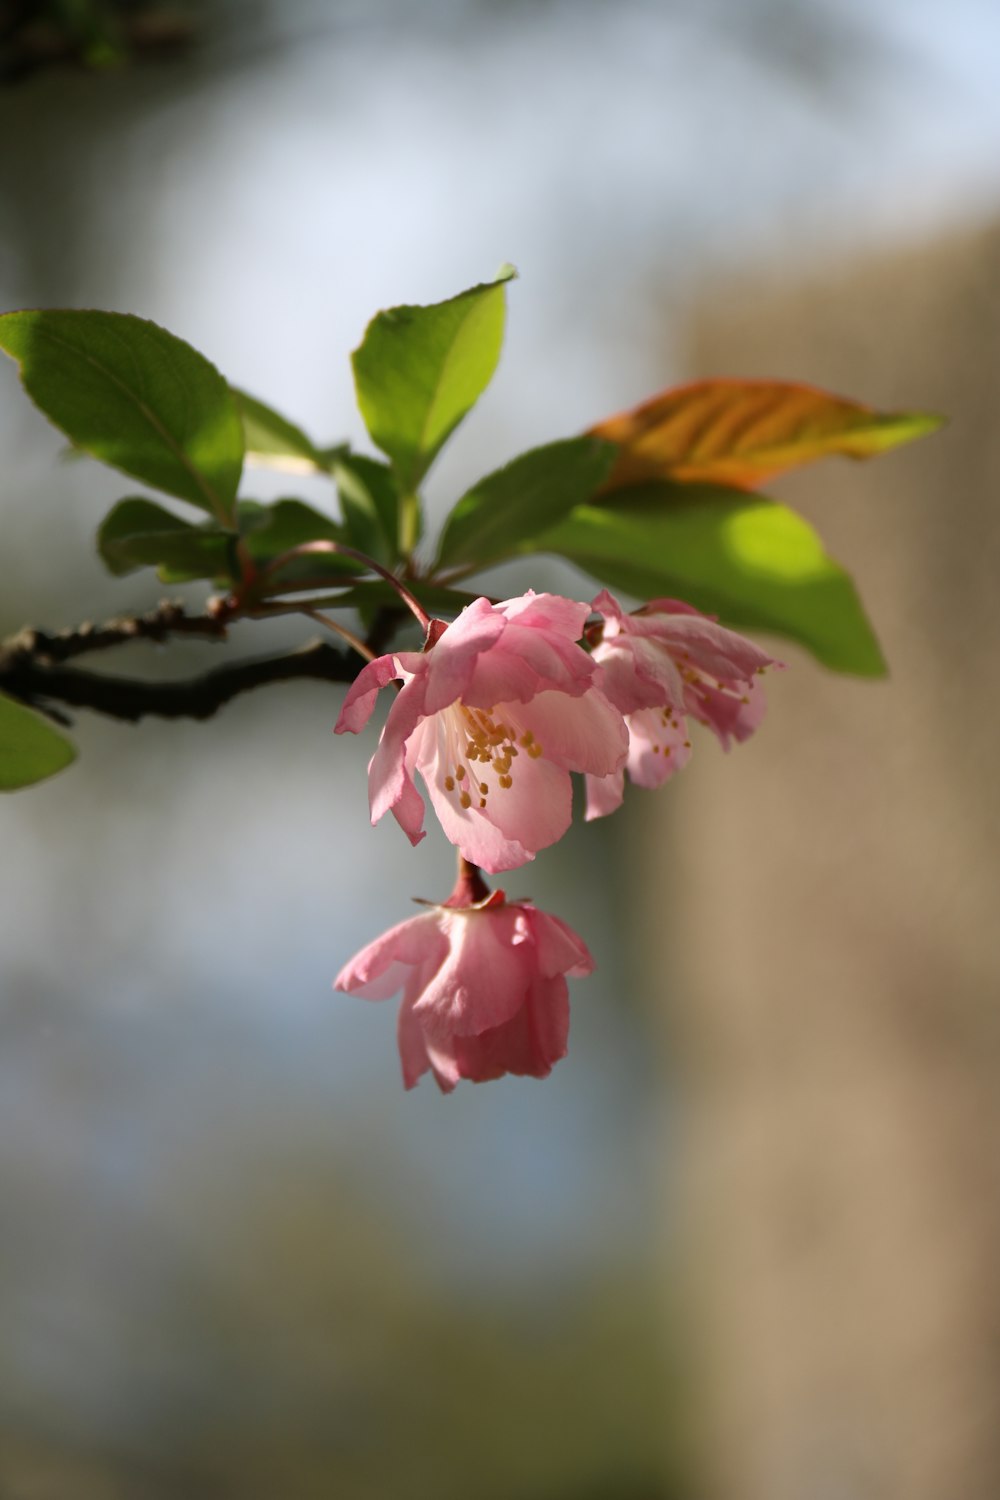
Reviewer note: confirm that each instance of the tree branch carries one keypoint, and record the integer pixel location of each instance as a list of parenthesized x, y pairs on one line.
[(31, 669), (196, 698), (168, 618)]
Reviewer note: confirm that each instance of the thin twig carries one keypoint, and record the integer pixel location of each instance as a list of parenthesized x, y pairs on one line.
[(354, 641)]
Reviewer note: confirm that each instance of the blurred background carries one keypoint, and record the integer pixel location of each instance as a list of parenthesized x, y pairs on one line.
[(743, 1244)]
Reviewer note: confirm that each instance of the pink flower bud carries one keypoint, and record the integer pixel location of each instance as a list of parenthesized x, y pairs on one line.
[(484, 988)]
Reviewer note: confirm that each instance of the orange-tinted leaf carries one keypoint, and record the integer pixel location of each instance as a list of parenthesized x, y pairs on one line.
[(743, 432)]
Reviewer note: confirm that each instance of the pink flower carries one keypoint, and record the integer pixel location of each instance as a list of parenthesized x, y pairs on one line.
[(661, 666), (494, 713), (484, 988)]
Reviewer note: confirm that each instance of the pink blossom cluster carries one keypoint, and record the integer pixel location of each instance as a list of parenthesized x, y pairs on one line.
[(495, 713)]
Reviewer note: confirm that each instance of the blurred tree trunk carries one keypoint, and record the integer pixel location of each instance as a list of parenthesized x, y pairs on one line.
[(833, 888)]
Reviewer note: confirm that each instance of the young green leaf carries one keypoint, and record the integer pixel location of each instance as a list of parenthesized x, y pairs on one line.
[(522, 500), (419, 370), (275, 443), (30, 749), (743, 432), (369, 499), (270, 530), (133, 395), (753, 562), (138, 533), (273, 530)]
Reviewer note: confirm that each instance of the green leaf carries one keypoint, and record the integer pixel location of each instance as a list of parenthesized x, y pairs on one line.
[(522, 500), (270, 530), (369, 593), (30, 749), (755, 563), (419, 370), (136, 397), (369, 498), (275, 443), (273, 530), (138, 533)]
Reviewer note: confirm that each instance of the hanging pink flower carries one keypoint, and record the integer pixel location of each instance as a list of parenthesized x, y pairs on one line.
[(494, 713), (662, 666), (484, 986)]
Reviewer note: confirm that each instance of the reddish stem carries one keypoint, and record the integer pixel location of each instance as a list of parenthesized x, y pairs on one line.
[(306, 549), (470, 887)]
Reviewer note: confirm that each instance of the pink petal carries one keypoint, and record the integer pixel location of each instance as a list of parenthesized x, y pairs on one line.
[(518, 820), (384, 966), (697, 641), (484, 978), (580, 734), (503, 676), (636, 673), (731, 716), (360, 698), (564, 616), (559, 949), (413, 1054), (387, 772), (537, 807), (607, 606), (408, 810), (605, 795), (527, 1045), (452, 661), (658, 747)]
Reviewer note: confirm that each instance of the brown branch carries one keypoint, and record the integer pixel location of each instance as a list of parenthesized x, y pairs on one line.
[(168, 618), (196, 698)]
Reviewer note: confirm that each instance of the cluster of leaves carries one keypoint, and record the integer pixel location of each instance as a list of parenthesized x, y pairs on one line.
[(660, 500)]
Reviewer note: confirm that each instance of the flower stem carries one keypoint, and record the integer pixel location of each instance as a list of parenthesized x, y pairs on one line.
[(340, 549), (354, 641), (470, 887)]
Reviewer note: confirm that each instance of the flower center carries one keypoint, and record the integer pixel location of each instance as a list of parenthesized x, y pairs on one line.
[(491, 747)]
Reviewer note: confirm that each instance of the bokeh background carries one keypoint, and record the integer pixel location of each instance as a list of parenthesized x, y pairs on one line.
[(742, 1244)]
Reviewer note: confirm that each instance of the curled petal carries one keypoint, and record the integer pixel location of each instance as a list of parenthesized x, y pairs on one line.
[(361, 695), (732, 716), (605, 795), (382, 968), (450, 664), (389, 781), (560, 950)]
